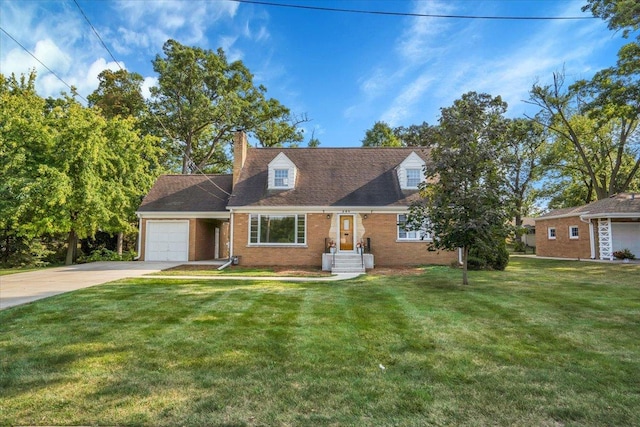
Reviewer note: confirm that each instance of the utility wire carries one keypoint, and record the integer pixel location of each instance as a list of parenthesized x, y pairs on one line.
[(73, 90), (419, 15), (97, 35)]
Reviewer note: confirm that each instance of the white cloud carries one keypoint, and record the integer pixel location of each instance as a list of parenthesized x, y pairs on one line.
[(147, 84)]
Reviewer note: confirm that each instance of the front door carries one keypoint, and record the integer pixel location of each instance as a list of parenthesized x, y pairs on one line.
[(346, 232)]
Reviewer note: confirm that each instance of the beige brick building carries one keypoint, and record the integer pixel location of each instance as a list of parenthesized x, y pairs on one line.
[(593, 231), (293, 206)]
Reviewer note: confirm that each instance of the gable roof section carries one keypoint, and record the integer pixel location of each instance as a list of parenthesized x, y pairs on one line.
[(188, 193), (623, 205), (340, 177)]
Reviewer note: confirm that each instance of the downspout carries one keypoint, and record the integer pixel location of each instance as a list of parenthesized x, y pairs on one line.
[(592, 239), (231, 234), (139, 245), (460, 261)]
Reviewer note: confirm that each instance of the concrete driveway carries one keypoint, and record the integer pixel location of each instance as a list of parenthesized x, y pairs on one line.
[(21, 288)]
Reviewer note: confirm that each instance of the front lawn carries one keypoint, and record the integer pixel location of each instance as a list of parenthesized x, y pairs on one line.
[(546, 343)]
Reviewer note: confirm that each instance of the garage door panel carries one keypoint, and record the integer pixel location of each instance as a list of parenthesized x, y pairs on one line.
[(167, 241)]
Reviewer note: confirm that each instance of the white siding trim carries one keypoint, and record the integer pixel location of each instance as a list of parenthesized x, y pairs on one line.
[(281, 161), (413, 161)]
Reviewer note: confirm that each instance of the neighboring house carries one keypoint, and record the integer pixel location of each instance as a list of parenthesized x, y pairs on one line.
[(292, 206), (592, 231)]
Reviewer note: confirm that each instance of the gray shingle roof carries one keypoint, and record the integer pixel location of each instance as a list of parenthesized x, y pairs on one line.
[(337, 177), (188, 193), (623, 204)]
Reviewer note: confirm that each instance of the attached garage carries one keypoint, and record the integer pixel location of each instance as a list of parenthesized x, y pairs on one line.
[(167, 241), (626, 235)]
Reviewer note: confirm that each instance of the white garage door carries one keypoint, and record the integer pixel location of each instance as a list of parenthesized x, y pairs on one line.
[(167, 241), (626, 236)]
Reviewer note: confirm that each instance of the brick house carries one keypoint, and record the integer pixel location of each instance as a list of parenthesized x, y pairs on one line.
[(592, 231), (292, 206)]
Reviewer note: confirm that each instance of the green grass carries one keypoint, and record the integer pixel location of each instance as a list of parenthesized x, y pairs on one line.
[(210, 270), (546, 343)]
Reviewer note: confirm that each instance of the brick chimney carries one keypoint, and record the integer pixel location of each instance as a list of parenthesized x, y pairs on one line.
[(240, 144)]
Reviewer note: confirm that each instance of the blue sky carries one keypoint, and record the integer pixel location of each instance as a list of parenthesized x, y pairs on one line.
[(345, 71)]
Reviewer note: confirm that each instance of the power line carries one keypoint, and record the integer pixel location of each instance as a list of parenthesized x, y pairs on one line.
[(73, 90), (97, 35), (410, 14)]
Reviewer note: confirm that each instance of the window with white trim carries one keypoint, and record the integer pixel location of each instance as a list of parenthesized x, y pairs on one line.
[(414, 177), (281, 178), (406, 233), (277, 229), (574, 232), (551, 233)]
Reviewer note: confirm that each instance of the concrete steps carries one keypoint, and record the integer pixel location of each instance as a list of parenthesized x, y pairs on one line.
[(347, 263)]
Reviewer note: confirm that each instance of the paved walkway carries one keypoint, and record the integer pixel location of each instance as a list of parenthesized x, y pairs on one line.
[(22, 288)]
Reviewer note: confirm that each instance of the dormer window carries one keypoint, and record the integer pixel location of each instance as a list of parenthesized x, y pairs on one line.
[(282, 173), (414, 178), (281, 178), (411, 172)]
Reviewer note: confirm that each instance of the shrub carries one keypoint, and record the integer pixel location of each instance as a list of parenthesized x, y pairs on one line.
[(106, 255), (493, 256), (624, 254)]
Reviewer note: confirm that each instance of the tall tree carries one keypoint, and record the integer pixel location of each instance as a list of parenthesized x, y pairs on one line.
[(465, 199), (119, 93), (525, 155), (381, 135), (599, 120), (202, 99), (72, 171)]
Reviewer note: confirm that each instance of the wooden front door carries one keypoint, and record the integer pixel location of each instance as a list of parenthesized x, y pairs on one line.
[(346, 232)]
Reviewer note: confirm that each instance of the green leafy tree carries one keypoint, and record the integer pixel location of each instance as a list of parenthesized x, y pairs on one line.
[(621, 14), (202, 99), (24, 138), (119, 93), (598, 119), (69, 170), (465, 195), (525, 156), (422, 135), (381, 135)]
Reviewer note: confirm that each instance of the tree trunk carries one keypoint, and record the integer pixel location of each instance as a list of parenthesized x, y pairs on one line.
[(119, 244), (72, 243), (465, 256), (518, 225)]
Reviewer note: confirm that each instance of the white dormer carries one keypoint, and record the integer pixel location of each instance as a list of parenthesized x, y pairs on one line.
[(411, 172), (282, 173)]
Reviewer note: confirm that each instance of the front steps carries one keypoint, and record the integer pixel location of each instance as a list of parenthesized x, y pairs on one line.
[(346, 263)]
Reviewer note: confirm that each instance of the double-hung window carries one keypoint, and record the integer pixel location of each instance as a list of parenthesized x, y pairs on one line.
[(414, 176), (408, 233), (281, 178), (551, 233), (277, 229), (574, 232)]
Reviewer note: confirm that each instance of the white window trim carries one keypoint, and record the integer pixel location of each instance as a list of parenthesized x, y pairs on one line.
[(549, 236), (279, 245), (412, 161), (281, 162), (284, 178), (420, 177), (420, 235), (571, 236)]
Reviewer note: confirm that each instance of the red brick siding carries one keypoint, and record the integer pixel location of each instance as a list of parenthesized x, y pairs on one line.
[(388, 251), (381, 228), (562, 246)]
